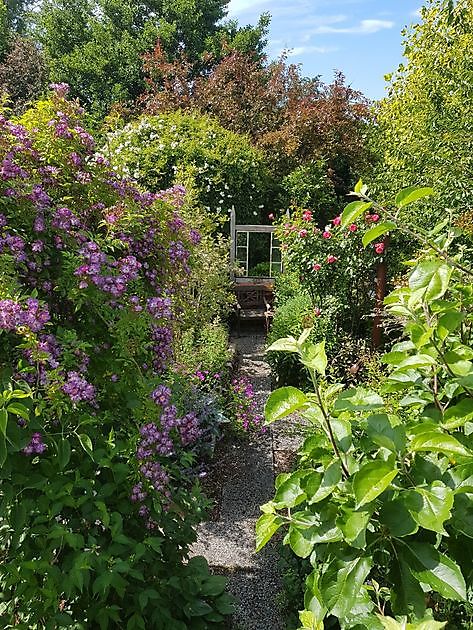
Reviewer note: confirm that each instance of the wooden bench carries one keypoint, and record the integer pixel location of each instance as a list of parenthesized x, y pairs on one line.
[(254, 302)]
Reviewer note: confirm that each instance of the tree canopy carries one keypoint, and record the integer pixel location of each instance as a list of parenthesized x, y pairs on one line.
[(425, 122)]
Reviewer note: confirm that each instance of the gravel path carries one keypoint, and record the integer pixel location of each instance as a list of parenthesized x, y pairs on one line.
[(248, 470)]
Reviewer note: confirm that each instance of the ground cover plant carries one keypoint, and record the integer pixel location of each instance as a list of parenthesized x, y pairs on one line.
[(382, 499), (99, 438)]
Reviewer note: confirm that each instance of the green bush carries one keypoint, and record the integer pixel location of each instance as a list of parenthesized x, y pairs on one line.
[(204, 349), (309, 186), (223, 167), (382, 499)]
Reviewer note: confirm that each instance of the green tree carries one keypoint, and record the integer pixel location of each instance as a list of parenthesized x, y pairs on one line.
[(425, 122), (97, 45)]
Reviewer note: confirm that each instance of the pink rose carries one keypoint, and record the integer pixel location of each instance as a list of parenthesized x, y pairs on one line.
[(302, 233), (327, 234), (352, 227), (337, 220), (374, 217), (331, 258), (317, 311), (316, 266), (379, 248), (307, 215), (271, 216)]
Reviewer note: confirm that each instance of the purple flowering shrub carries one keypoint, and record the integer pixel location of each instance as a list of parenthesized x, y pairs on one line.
[(97, 449)]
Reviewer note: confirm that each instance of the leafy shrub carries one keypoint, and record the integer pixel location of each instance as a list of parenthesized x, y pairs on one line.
[(224, 168), (309, 186), (204, 350), (382, 499), (332, 263), (97, 443)]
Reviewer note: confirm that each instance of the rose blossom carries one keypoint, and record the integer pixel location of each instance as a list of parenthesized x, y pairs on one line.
[(316, 266), (331, 258), (379, 248), (337, 220), (352, 227), (327, 234)]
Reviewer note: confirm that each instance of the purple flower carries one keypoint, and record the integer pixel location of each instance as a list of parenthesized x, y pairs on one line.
[(36, 445), (195, 237), (3, 220), (61, 89), (159, 308), (161, 395), (78, 389)]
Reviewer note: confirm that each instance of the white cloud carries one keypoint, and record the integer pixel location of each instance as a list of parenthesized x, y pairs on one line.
[(305, 50), (416, 13), (365, 27), (237, 7)]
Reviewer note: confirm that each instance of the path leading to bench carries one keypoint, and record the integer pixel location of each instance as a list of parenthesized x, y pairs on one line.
[(247, 471)]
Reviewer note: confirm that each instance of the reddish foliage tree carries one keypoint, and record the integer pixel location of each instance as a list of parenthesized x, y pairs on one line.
[(296, 119)]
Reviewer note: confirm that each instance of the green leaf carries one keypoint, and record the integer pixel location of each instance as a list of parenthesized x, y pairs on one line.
[(283, 402), (433, 277), (313, 356), (462, 520), (341, 594), (439, 443), (459, 414), (300, 541), (354, 210), (411, 194), (214, 585), (86, 444), (437, 570), (332, 476), (358, 186), (19, 410), (449, 322), (371, 480), (266, 526), (313, 600), (289, 493), (197, 608), (380, 430), (353, 526), (309, 621), (397, 518), (430, 507), (407, 596), (358, 399), (378, 230), (3, 421), (287, 344), (63, 453)]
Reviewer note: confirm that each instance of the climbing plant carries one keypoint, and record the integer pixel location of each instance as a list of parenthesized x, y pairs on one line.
[(382, 501)]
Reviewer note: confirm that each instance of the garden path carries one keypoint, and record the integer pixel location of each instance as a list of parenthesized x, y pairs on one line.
[(245, 472)]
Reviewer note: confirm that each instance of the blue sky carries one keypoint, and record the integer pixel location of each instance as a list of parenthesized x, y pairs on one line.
[(362, 38)]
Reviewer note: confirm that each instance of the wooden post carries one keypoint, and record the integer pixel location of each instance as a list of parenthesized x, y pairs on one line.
[(232, 242)]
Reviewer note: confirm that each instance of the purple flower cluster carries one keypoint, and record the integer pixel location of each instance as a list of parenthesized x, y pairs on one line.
[(159, 307), (30, 313), (78, 389), (16, 246), (154, 441), (161, 395), (36, 445), (97, 269), (161, 347), (65, 219), (245, 406), (189, 428)]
